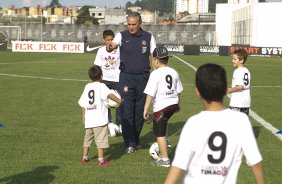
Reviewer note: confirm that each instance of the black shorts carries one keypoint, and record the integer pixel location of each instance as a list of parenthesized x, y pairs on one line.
[(161, 119), (244, 110)]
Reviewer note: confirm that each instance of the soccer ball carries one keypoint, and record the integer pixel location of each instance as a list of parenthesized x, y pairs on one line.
[(110, 103), (155, 151), (114, 130)]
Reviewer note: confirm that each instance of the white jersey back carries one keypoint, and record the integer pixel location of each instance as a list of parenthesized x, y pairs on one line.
[(96, 113), (211, 146), (109, 62), (164, 86), (242, 99)]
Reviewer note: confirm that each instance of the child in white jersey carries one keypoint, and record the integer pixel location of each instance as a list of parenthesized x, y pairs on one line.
[(212, 142), (95, 114), (109, 62), (240, 98), (163, 88)]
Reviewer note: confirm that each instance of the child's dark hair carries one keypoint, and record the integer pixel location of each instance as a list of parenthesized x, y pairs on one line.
[(211, 82), (95, 73), (241, 54), (108, 32)]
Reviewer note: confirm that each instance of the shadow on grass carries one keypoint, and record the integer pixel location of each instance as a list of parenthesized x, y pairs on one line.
[(256, 130), (117, 150), (42, 175)]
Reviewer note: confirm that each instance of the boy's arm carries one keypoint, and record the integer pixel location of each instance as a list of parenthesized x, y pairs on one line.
[(114, 98), (83, 116), (235, 89), (173, 175), (146, 106), (258, 173)]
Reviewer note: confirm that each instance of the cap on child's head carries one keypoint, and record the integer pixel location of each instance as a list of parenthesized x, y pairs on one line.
[(160, 52)]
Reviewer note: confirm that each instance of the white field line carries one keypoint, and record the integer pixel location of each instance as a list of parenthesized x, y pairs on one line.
[(253, 114), (44, 78)]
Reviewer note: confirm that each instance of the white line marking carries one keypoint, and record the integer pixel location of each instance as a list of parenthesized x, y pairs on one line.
[(44, 78), (253, 114)]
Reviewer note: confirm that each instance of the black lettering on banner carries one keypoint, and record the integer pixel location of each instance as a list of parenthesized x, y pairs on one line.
[(221, 147), (91, 95), (168, 79)]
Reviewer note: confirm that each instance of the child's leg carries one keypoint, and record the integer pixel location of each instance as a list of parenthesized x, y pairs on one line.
[(85, 152), (100, 154), (88, 138), (163, 147)]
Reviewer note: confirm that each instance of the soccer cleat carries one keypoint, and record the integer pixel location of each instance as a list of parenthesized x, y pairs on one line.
[(104, 162), (161, 162), (84, 161), (130, 150)]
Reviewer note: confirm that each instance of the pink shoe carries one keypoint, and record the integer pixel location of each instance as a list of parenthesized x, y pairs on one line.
[(84, 161), (104, 162)]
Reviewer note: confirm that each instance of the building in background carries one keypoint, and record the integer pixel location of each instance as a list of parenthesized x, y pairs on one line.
[(108, 15), (249, 24)]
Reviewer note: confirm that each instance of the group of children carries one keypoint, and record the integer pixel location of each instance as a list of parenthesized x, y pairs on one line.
[(212, 142)]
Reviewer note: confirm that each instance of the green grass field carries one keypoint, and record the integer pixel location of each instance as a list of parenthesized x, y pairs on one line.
[(42, 133)]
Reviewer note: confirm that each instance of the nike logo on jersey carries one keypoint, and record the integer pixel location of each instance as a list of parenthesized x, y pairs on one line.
[(127, 41), (88, 49)]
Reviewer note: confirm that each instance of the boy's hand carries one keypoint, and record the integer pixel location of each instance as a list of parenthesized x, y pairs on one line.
[(145, 114)]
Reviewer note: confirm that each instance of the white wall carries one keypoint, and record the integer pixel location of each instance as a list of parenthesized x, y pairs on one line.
[(266, 27), (223, 22)]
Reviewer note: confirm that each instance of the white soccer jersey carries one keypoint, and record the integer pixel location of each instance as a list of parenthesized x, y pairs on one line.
[(109, 62), (242, 99), (96, 113), (212, 144), (164, 86)]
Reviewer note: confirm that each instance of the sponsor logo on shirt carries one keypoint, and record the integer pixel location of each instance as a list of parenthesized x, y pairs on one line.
[(92, 108), (215, 170)]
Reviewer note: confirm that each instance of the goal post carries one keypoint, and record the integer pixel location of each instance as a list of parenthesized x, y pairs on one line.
[(11, 33)]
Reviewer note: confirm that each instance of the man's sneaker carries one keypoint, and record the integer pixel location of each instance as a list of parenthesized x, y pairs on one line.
[(130, 150), (104, 162), (168, 144), (161, 162), (84, 161)]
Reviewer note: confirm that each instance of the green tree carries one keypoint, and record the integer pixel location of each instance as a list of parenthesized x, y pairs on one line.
[(84, 17)]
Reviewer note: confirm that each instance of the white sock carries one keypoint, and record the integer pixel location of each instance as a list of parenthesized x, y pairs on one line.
[(100, 159), (165, 159), (85, 158)]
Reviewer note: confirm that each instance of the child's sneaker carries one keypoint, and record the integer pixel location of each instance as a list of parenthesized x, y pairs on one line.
[(84, 161), (161, 162), (104, 162)]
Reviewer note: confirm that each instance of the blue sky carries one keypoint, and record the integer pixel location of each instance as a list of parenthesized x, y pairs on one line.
[(99, 3)]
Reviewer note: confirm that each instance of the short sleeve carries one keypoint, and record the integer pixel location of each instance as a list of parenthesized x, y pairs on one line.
[(153, 44), (117, 39)]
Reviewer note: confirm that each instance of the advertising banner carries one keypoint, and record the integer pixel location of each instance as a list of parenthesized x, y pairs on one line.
[(63, 47), (259, 51)]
